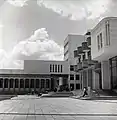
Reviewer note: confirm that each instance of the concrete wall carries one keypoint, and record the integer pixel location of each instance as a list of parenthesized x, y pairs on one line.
[(43, 67)]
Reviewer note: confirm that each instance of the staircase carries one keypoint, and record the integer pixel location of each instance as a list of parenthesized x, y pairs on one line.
[(58, 94)]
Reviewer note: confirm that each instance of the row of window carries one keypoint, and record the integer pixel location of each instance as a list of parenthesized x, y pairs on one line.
[(72, 86), (25, 83), (77, 77), (56, 68), (99, 41)]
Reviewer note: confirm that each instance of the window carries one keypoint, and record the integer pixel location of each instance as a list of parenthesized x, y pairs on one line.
[(61, 68), (26, 83), (71, 77), (32, 83), (11, 83), (42, 83), (65, 45), (99, 41), (55, 68), (16, 83), (37, 83), (107, 33), (50, 68), (1, 82), (101, 45), (65, 53), (47, 83), (77, 77), (21, 83), (71, 68), (77, 86), (58, 68)]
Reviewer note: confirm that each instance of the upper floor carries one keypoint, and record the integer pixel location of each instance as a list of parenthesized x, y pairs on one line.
[(104, 39)]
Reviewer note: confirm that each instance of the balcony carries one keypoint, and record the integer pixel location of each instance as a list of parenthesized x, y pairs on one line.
[(88, 41), (80, 50), (92, 62), (85, 46), (79, 67), (85, 64)]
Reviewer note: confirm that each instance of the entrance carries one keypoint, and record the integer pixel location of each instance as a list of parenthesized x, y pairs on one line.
[(113, 70)]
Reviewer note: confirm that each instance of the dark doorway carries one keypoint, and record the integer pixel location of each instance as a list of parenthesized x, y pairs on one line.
[(100, 80)]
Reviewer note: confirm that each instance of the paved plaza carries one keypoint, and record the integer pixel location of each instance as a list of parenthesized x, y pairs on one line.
[(29, 107)]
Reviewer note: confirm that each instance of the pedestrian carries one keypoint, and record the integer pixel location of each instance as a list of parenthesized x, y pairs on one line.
[(85, 92)]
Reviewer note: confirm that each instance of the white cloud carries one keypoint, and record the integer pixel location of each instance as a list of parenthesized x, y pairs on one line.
[(18, 3), (38, 46), (76, 9)]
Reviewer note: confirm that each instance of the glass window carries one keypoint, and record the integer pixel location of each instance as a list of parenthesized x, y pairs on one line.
[(37, 83), (16, 83), (71, 77), (26, 83), (71, 67), (11, 83), (50, 68), (6, 83), (77, 77), (32, 83), (1, 82), (42, 83), (58, 68), (47, 83), (21, 83), (77, 86), (107, 33), (61, 68), (101, 44), (55, 68), (98, 42)]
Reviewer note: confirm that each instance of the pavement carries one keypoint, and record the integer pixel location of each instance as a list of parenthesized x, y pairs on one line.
[(28, 107)]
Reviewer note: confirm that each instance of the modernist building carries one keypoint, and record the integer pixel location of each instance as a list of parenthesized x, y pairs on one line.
[(104, 47), (36, 75), (85, 64), (70, 44)]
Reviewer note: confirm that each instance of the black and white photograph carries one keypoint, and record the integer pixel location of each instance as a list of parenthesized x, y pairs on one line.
[(58, 59)]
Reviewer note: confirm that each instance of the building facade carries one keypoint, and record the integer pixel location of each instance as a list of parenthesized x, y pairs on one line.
[(103, 44), (70, 44)]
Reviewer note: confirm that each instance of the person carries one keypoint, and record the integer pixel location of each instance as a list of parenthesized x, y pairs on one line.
[(85, 92)]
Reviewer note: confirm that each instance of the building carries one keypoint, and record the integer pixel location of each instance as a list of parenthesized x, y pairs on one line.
[(37, 74), (70, 44), (85, 64), (104, 49)]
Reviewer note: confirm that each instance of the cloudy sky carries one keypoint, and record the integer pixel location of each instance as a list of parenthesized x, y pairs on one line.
[(36, 29)]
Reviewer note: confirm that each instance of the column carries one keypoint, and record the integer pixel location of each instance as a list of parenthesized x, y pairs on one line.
[(8, 84), (3, 84), (60, 81), (24, 83), (81, 57), (13, 84), (45, 84), (95, 80), (29, 84), (105, 75), (19, 84), (86, 54), (50, 83), (34, 84)]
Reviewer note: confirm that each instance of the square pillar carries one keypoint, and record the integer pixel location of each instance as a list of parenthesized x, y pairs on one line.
[(95, 80), (106, 83)]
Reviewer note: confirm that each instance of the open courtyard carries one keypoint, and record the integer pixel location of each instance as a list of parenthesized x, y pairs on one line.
[(28, 107)]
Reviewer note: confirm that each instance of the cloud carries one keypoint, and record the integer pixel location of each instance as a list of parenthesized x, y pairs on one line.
[(77, 9), (18, 3), (38, 46)]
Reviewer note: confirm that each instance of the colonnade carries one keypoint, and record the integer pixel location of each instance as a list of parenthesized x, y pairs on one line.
[(24, 84)]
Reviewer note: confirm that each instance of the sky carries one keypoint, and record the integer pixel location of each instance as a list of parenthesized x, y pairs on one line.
[(36, 29)]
